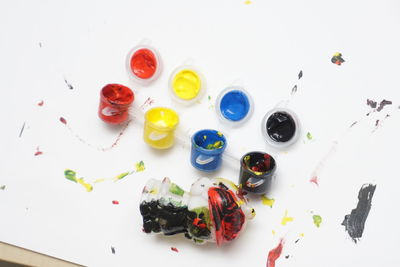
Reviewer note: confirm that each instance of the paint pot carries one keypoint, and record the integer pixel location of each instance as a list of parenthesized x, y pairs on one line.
[(280, 127), (159, 127), (234, 106), (143, 64), (115, 100), (207, 148), (256, 172), (186, 84)]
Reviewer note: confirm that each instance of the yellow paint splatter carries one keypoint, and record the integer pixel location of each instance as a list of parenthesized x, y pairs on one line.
[(247, 2), (267, 201), (140, 166), (99, 180), (286, 218), (87, 186), (121, 176), (302, 234)]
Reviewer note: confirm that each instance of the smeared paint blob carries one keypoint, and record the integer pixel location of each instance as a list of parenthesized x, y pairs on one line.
[(294, 90), (371, 103), (317, 220), (286, 218), (68, 84), (287, 256), (274, 254), (121, 176), (64, 121), (40, 104), (71, 175), (337, 59), (309, 136), (112, 250), (382, 104), (115, 202), (38, 152), (267, 201), (3, 187), (87, 186), (139, 167), (300, 74), (314, 180), (22, 129), (174, 249), (247, 2), (355, 221)]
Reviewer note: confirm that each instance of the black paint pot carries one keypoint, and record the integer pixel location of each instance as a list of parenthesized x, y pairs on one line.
[(280, 127), (256, 171)]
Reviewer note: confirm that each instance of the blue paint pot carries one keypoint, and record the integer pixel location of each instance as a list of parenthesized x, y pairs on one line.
[(234, 106), (207, 148)]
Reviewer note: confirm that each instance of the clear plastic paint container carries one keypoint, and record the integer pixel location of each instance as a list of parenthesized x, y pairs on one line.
[(280, 127), (207, 148), (143, 64), (186, 84), (256, 172), (159, 127), (234, 106), (115, 101)]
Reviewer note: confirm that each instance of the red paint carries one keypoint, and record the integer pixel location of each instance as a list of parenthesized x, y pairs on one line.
[(63, 120), (115, 100), (314, 180), (115, 202), (144, 63), (174, 249), (37, 153), (274, 254), (40, 104)]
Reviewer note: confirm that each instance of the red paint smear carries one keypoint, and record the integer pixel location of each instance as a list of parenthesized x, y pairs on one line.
[(144, 63), (338, 62), (314, 180), (115, 202), (274, 254), (40, 104), (37, 153), (174, 249), (63, 120)]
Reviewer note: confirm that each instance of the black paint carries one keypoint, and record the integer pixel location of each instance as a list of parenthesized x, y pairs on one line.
[(383, 104), (300, 74), (294, 89), (371, 103), (68, 84), (355, 221), (280, 126), (22, 129), (113, 250)]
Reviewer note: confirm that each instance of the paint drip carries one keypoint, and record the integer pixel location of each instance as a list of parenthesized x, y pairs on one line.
[(274, 254), (355, 221)]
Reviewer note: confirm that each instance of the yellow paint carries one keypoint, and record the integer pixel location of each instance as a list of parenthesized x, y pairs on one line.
[(154, 191), (219, 134), (337, 54), (186, 84), (159, 127), (229, 182), (140, 166), (87, 186), (247, 2), (267, 201), (302, 234), (286, 218), (99, 181), (273, 232)]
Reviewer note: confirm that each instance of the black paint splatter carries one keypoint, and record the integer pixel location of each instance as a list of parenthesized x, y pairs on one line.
[(40, 44), (113, 250), (355, 221), (376, 123), (22, 129), (68, 84), (354, 123), (300, 74), (287, 256), (297, 241), (383, 104), (371, 103), (337, 59), (294, 89)]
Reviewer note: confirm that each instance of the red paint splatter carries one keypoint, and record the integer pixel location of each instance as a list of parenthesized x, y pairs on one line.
[(115, 202), (37, 153), (63, 120), (314, 180), (40, 104), (147, 103), (174, 249), (274, 254)]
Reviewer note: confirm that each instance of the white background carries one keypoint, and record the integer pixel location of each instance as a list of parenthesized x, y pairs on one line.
[(261, 46)]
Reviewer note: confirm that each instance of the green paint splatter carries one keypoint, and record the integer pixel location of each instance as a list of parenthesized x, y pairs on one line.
[(140, 166), (209, 98), (174, 189), (3, 187), (317, 220), (121, 176), (70, 175), (309, 136), (216, 145)]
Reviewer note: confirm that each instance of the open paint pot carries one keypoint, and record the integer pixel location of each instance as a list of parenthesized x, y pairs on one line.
[(115, 101), (159, 127), (207, 149), (234, 106), (143, 64), (280, 127), (186, 84), (256, 172)]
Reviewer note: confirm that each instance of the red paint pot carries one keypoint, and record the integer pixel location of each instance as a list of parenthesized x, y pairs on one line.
[(115, 100), (143, 64)]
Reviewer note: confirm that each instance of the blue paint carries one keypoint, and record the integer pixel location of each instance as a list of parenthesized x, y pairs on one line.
[(204, 159), (235, 105)]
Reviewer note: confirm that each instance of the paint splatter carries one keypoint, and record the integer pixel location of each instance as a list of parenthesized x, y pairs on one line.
[(247, 2), (68, 84), (3, 187), (40, 44), (286, 218), (174, 249), (309, 136), (209, 98), (297, 240), (317, 220), (287, 256), (40, 104), (267, 201), (38, 152), (121, 176), (337, 59), (355, 221), (371, 103), (354, 123), (115, 202), (315, 174), (273, 232), (376, 123), (314, 180), (22, 129), (294, 90), (382, 104), (147, 103), (64, 121), (71, 175), (300, 74), (274, 254), (139, 167), (112, 250)]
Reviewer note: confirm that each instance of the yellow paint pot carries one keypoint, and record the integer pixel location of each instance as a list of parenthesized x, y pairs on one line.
[(186, 84), (159, 127)]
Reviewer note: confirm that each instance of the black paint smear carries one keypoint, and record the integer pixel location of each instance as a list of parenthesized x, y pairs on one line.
[(383, 104), (355, 221), (113, 250), (294, 89), (297, 241), (40, 44), (371, 103), (377, 123), (22, 129), (68, 84), (300, 74), (287, 256), (354, 123)]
